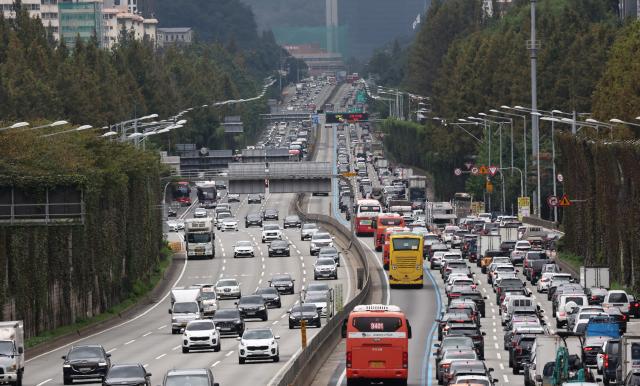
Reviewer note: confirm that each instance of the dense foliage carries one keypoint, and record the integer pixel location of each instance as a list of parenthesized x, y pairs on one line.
[(57, 275)]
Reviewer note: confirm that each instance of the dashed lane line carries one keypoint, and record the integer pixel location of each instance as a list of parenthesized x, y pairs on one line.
[(160, 356)]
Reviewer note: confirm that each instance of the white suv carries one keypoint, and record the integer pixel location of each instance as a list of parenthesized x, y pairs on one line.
[(325, 267), (229, 224), (200, 334), (271, 232), (258, 343)]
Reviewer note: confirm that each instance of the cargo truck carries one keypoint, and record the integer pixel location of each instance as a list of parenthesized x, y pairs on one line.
[(591, 277), (508, 233), (185, 307), (199, 238), (11, 352), (629, 352), (417, 188)]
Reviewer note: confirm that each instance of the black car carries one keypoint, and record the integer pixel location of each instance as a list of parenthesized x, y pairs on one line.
[(331, 252), (283, 283), (253, 306), (307, 312), (270, 214), (472, 294), (596, 295), (254, 199), (127, 375), (220, 185), (520, 351), (252, 219), (228, 321), (451, 318), (85, 362), (270, 295), (471, 330), (292, 221), (279, 248), (172, 212)]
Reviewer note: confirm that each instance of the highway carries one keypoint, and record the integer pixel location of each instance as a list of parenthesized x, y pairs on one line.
[(147, 338)]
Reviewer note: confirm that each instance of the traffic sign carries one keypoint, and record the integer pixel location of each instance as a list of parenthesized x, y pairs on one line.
[(564, 201), (552, 201), (483, 170), (524, 204), (560, 177), (457, 171), (349, 174), (493, 170), (468, 165), (474, 171)]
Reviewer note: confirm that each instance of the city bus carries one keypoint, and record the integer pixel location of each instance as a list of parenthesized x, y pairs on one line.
[(405, 259), (366, 213), (383, 221), (182, 193), (377, 339), (207, 194), (385, 247)]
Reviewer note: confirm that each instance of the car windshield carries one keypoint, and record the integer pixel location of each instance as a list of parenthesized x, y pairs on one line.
[(617, 298), (309, 226), (281, 278), (292, 218), (227, 314), (126, 372), (406, 244), (209, 295), (457, 341), (245, 300), (321, 236), (461, 355), (6, 348), (200, 326), (303, 308), (266, 291), (325, 261), (182, 308), (227, 283), (271, 227), (330, 251), (316, 298), (190, 380), (243, 244), (317, 287), (223, 215), (198, 237), (257, 334), (85, 353)]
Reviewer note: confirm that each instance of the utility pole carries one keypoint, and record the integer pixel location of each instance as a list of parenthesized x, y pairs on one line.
[(535, 130)]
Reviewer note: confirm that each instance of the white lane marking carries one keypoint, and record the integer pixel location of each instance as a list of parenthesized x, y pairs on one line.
[(161, 355), (285, 367), (495, 337), (262, 273), (259, 281), (43, 382), (177, 347), (501, 366), (484, 289), (304, 271), (147, 334), (283, 316), (498, 355), (506, 379), (276, 322), (162, 327), (215, 364), (112, 350), (229, 353), (129, 342), (341, 379), (496, 345)]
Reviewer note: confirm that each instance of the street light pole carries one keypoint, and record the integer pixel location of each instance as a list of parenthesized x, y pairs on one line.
[(534, 102), (524, 140)]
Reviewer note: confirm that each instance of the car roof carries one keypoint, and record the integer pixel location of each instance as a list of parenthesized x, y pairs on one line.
[(187, 372)]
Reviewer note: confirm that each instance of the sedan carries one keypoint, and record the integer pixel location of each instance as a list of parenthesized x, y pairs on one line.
[(85, 362), (252, 219), (133, 374), (233, 197), (283, 283), (307, 312), (243, 248), (228, 288), (331, 252), (229, 224), (200, 212), (292, 221), (279, 248), (307, 230), (200, 377), (270, 214), (254, 199), (253, 306), (271, 296), (228, 321)]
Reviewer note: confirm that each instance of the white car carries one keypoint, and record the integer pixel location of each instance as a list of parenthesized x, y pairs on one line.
[(318, 240), (325, 267), (544, 281), (617, 299), (258, 343), (271, 232), (520, 251), (233, 197), (200, 334), (173, 226), (228, 289), (243, 248), (229, 224), (200, 212)]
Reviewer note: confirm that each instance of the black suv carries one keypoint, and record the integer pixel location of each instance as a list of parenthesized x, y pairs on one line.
[(253, 306), (520, 350), (279, 248), (292, 221), (451, 318), (85, 362), (307, 312), (270, 295), (270, 214), (228, 321), (283, 283)]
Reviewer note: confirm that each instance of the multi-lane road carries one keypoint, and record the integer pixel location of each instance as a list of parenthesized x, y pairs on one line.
[(147, 339)]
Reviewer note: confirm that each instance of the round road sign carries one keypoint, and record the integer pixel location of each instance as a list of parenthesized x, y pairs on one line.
[(552, 201), (560, 177), (457, 171), (474, 171)]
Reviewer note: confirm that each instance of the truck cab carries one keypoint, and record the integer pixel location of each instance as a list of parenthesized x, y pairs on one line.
[(11, 352)]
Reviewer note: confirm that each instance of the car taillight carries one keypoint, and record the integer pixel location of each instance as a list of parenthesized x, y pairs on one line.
[(446, 365), (624, 317), (349, 358), (588, 348), (562, 313), (519, 350), (405, 360), (605, 359), (594, 297)]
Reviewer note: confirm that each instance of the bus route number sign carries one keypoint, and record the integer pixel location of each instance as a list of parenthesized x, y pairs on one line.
[(377, 326)]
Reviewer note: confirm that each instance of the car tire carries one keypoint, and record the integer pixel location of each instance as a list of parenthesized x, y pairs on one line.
[(291, 326), (265, 318), (174, 331), (276, 358), (319, 324), (315, 277), (515, 370), (185, 350), (241, 361), (270, 255), (217, 348)]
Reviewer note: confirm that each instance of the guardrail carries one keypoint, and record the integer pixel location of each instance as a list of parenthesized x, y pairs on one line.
[(304, 366), (541, 223)]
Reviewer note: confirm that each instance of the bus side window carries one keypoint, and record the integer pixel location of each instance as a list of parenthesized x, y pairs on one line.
[(343, 330), (408, 329)]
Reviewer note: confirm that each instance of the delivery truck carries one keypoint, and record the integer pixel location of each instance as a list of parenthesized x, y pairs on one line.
[(591, 277), (11, 352)]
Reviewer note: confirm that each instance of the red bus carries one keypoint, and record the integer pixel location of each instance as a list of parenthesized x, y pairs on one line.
[(385, 247), (377, 344), (182, 193), (366, 213), (383, 221)]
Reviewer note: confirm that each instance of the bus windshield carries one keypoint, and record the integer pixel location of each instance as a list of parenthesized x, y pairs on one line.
[(402, 244), (368, 208), (391, 221), (377, 324), (198, 237)]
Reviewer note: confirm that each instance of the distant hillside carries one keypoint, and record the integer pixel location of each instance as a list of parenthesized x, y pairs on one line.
[(272, 14)]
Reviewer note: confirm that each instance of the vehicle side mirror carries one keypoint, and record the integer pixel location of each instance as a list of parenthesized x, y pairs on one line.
[(149, 374), (408, 330), (108, 355), (485, 297), (238, 338), (170, 311), (277, 337), (495, 380), (216, 384), (182, 330), (20, 350), (484, 333), (64, 357), (236, 303), (490, 369), (343, 329)]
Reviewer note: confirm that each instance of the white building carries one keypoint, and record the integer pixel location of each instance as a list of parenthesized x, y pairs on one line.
[(178, 36), (116, 20)]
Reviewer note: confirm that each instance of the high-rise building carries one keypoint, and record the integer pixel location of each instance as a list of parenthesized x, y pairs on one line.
[(80, 20)]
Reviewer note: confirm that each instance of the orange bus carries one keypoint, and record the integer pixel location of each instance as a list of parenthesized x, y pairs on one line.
[(377, 344), (385, 243), (366, 213), (383, 221)]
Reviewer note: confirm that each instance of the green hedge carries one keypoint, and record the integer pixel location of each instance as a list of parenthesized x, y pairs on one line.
[(57, 275), (603, 180)]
